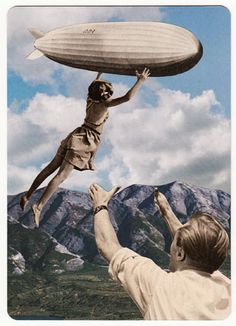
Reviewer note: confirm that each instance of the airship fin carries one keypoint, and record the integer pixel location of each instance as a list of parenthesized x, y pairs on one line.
[(36, 33), (35, 55)]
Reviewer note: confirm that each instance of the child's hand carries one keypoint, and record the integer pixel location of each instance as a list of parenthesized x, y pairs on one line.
[(144, 75)]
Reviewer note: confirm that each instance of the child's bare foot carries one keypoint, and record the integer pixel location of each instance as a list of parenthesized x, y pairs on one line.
[(36, 213), (23, 202)]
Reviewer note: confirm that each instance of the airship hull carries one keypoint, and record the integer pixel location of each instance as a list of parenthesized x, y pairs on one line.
[(123, 47)]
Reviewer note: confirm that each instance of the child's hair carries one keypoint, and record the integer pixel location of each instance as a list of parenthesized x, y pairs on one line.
[(204, 241), (100, 90)]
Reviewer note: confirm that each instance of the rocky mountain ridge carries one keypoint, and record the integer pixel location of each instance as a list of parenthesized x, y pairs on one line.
[(68, 217), (36, 250)]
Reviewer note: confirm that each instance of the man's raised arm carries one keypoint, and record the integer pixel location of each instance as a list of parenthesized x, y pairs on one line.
[(162, 204), (105, 235)]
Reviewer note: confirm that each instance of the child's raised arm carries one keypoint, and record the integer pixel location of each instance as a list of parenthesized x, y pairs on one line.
[(98, 75), (140, 79)]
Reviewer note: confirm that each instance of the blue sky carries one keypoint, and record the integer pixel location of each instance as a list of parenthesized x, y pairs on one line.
[(162, 113)]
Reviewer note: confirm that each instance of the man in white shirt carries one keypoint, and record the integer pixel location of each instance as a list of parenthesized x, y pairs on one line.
[(194, 289)]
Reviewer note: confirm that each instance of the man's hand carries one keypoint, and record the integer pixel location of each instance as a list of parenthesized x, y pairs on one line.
[(99, 196), (162, 204), (144, 75), (105, 235)]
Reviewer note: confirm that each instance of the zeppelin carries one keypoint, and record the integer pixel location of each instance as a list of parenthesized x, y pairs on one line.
[(121, 47)]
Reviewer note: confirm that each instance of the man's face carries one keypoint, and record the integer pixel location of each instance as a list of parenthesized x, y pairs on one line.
[(173, 255)]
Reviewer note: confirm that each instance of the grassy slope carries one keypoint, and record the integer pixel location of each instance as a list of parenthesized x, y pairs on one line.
[(87, 294)]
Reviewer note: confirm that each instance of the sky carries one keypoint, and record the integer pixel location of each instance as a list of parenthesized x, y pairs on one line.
[(175, 128)]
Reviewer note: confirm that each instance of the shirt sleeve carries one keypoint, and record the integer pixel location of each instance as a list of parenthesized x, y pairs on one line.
[(138, 275), (217, 275)]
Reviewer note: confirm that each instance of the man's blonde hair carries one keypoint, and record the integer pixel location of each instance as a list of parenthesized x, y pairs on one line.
[(204, 241)]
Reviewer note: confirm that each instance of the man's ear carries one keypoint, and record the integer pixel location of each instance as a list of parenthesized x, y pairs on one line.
[(180, 254)]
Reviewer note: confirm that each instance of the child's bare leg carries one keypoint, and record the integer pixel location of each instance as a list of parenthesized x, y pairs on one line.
[(52, 186), (48, 170)]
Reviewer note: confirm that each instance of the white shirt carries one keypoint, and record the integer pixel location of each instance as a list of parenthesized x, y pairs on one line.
[(187, 294)]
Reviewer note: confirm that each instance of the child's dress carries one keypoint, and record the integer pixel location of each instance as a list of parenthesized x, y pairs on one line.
[(80, 146)]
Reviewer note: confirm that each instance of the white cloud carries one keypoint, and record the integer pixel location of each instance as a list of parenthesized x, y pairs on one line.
[(20, 178), (20, 42), (180, 139), (82, 180), (57, 113), (35, 133)]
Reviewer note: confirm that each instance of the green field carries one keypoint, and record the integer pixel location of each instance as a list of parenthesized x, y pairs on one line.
[(88, 294)]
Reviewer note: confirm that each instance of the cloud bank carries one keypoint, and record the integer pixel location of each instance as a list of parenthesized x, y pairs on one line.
[(179, 138)]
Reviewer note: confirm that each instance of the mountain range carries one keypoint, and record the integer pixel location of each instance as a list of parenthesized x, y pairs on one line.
[(67, 223)]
